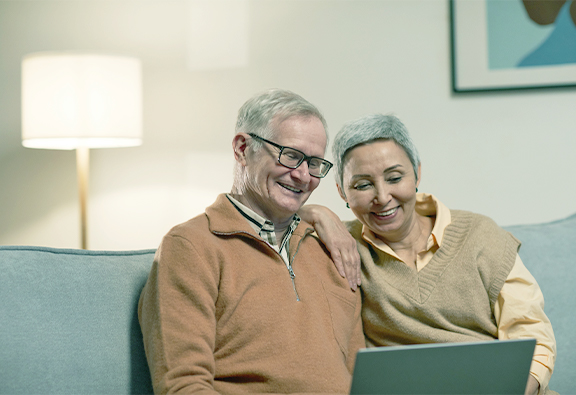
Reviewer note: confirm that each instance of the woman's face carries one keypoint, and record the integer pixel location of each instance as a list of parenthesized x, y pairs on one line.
[(380, 186)]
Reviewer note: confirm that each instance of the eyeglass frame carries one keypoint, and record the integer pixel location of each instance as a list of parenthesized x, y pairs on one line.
[(304, 156)]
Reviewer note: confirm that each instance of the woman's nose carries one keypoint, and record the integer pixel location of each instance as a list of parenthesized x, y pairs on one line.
[(382, 195)]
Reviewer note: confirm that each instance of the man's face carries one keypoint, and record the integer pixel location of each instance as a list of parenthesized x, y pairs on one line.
[(277, 192)]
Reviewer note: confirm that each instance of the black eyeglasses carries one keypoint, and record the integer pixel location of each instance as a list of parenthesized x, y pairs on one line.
[(292, 158)]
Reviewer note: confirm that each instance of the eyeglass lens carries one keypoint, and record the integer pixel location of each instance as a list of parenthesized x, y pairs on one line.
[(291, 158)]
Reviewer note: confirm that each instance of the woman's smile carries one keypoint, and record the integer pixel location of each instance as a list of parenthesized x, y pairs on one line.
[(388, 214)]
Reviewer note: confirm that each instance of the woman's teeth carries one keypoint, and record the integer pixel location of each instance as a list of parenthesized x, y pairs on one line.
[(387, 213)]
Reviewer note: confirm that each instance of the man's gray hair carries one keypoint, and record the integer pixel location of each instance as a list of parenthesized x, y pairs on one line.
[(366, 130), (265, 110)]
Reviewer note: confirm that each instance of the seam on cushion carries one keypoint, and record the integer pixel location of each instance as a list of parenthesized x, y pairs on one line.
[(70, 251)]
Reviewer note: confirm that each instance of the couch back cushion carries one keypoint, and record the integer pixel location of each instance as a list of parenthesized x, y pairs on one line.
[(68, 321), (548, 251)]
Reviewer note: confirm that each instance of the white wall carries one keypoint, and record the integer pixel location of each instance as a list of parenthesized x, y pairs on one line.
[(509, 155)]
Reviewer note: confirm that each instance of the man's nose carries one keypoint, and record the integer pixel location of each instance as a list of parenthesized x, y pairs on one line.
[(302, 172)]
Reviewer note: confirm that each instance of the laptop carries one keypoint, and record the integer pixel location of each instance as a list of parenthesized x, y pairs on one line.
[(487, 367)]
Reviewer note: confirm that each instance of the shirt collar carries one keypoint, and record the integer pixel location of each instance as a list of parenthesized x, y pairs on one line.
[(263, 226)]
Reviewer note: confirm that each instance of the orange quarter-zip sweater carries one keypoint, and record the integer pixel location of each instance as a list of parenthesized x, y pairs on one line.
[(219, 312)]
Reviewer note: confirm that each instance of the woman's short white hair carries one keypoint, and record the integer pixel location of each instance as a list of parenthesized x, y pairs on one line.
[(366, 130)]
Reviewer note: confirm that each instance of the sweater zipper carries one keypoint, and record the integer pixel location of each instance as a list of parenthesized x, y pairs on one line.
[(292, 276)]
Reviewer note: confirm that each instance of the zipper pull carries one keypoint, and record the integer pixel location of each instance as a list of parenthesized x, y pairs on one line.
[(293, 276)]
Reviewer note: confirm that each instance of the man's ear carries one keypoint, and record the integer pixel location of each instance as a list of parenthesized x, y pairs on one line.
[(239, 145)]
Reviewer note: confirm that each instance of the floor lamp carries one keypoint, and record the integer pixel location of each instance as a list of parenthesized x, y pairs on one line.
[(80, 101)]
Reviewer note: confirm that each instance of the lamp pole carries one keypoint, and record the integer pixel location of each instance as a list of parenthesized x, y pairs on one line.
[(83, 171)]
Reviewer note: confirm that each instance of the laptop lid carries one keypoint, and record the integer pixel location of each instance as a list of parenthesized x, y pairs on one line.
[(489, 367)]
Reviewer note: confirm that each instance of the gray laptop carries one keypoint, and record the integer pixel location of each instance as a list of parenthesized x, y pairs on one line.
[(490, 367)]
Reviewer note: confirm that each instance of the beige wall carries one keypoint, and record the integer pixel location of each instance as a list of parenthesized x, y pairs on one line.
[(509, 155)]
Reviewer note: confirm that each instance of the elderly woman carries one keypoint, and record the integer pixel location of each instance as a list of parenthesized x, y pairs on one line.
[(429, 274)]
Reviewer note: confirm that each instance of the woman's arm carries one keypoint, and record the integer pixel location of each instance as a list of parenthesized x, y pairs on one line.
[(519, 313), (337, 240)]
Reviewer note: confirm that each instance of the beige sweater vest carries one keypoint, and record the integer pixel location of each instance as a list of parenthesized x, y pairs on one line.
[(451, 299)]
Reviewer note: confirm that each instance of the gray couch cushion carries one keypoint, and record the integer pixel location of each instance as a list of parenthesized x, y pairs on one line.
[(68, 321), (548, 251)]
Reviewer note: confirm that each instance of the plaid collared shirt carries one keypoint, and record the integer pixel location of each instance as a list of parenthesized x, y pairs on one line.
[(265, 229)]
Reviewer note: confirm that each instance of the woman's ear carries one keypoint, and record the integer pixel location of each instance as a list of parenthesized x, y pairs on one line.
[(418, 182), (342, 195), (239, 145)]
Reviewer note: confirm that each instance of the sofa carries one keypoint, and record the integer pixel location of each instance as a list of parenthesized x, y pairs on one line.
[(68, 318)]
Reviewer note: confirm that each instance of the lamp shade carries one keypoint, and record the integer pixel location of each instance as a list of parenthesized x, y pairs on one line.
[(81, 100)]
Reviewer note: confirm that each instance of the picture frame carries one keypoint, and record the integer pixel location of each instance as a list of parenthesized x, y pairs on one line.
[(494, 44)]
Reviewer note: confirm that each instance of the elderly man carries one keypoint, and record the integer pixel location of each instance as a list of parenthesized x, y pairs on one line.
[(244, 298)]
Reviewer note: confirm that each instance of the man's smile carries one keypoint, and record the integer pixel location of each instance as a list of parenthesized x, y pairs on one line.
[(290, 188)]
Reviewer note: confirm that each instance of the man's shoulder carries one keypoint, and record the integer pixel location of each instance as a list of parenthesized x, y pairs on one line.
[(316, 258), (192, 228), (220, 212)]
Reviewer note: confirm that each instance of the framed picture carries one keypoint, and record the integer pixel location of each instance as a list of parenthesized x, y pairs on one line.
[(512, 44)]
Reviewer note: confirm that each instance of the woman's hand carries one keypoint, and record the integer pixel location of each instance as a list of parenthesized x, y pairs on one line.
[(337, 240)]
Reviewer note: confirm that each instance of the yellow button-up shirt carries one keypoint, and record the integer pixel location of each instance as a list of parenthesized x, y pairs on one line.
[(519, 312)]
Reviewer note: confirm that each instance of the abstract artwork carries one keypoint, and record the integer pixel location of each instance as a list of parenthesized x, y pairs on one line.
[(513, 44)]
